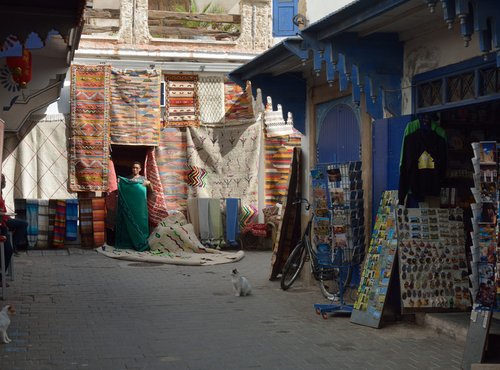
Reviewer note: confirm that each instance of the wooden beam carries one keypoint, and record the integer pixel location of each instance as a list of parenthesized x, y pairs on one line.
[(201, 17)]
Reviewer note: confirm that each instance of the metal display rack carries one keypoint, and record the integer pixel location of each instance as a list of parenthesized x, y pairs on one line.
[(343, 250)]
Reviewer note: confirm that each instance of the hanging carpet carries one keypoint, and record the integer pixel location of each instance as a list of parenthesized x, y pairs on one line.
[(223, 162), (132, 228), (86, 223), (238, 102), (278, 157), (43, 223), (89, 142), (157, 208), (172, 164), (182, 101), (135, 107), (37, 166), (98, 220)]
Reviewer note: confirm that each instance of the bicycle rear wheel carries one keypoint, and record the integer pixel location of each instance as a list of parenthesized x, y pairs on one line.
[(293, 266)]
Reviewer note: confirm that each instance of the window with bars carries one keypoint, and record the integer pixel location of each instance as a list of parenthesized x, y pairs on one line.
[(476, 83)]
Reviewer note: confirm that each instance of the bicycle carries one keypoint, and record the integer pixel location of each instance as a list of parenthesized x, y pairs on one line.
[(333, 281)]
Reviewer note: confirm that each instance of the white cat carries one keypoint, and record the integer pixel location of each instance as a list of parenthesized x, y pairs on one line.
[(5, 314), (241, 285)]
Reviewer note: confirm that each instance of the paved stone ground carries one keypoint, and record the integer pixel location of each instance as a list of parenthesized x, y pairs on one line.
[(81, 310)]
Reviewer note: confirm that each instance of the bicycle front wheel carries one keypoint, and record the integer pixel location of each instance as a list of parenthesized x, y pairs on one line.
[(293, 266), (330, 280)]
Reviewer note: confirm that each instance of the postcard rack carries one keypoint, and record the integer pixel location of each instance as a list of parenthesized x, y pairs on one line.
[(339, 222)]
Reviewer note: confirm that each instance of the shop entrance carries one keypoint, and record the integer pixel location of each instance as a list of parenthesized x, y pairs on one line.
[(339, 137), (123, 156)]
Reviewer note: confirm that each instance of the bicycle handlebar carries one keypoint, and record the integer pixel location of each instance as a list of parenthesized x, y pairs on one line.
[(303, 200)]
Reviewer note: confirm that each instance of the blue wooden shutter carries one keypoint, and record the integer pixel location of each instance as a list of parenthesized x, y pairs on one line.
[(386, 147), (283, 13)]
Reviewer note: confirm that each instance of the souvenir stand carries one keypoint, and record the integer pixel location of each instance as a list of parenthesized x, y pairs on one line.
[(485, 264), (338, 225)]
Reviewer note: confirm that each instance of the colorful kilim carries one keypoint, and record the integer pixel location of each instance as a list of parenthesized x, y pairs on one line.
[(182, 101), (32, 218), (135, 107), (86, 227), (111, 198), (98, 216), (238, 102), (71, 219), (171, 160), (230, 158), (89, 142), (52, 220), (196, 177), (43, 223), (157, 208), (278, 157), (248, 215), (59, 224)]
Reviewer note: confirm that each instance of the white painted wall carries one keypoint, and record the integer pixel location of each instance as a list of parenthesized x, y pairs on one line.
[(106, 4), (317, 9), (438, 49)]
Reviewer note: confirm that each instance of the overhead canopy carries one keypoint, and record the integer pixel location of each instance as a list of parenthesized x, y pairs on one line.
[(50, 30), (361, 46)]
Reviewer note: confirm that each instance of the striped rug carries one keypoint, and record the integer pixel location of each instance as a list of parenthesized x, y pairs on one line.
[(98, 216), (278, 157), (86, 226), (52, 221), (238, 102), (32, 218), (71, 219), (172, 161), (89, 141), (157, 208), (182, 101), (43, 223), (135, 107), (59, 224)]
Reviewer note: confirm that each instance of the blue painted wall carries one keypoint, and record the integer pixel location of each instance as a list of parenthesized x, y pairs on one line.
[(289, 90)]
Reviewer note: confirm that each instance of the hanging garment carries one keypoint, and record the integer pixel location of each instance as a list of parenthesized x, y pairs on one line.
[(86, 226), (71, 219), (132, 228), (32, 218), (215, 220), (43, 223), (59, 224), (232, 211), (203, 217), (423, 161)]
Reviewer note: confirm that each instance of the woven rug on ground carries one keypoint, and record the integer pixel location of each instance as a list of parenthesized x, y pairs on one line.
[(43, 223), (182, 101), (171, 157), (89, 142), (157, 208), (278, 157), (224, 163), (212, 257), (238, 102), (135, 107), (37, 166)]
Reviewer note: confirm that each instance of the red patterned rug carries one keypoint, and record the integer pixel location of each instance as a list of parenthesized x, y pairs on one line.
[(89, 141)]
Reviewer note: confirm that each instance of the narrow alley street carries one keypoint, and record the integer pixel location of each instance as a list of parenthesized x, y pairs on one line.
[(81, 310)]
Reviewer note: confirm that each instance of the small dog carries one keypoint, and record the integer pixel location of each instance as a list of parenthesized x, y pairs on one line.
[(5, 314), (241, 285)]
